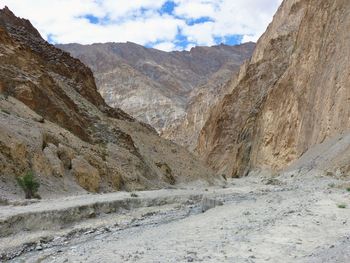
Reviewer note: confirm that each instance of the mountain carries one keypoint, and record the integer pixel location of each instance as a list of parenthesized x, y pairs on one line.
[(55, 123), (163, 89), (292, 95)]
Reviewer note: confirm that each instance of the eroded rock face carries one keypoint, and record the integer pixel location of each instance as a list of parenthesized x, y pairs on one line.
[(86, 175), (52, 118), (171, 91), (293, 93)]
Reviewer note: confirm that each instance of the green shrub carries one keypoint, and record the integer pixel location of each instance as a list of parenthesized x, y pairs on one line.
[(29, 185), (342, 206), (134, 195)]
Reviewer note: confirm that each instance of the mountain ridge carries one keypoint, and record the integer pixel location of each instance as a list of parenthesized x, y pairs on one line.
[(55, 123), (157, 87)]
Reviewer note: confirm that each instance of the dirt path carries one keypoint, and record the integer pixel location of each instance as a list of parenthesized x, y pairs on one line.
[(292, 219)]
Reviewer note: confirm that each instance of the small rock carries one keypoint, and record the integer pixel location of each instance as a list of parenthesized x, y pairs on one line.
[(39, 247), (190, 259), (209, 203)]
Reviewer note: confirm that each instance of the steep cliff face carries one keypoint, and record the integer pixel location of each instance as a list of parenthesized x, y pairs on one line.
[(186, 130), (294, 93), (163, 89), (54, 122)]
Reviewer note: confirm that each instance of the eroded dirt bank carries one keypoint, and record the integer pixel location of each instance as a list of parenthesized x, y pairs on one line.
[(293, 218)]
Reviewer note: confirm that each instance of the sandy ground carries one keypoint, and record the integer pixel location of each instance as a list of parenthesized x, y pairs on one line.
[(294, 218)]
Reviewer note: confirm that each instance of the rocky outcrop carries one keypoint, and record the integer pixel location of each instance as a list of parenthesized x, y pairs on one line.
[(86, 175), (54, 122), (186, 130), (171, 91), (293, 93)]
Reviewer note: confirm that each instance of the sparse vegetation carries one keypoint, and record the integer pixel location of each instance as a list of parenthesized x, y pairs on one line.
[(5, 111), (134, 195), (331, 185), (29, 185), (342, 206)]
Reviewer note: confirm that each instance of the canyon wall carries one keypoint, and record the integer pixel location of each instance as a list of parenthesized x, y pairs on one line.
[(171, 91), (293, 94)]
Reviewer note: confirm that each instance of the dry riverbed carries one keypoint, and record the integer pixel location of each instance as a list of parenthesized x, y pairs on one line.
[(292, 218)]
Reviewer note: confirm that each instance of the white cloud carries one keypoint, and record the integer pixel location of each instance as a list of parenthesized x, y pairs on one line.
[(165, 46), (200, 34), (140, 20), (248, 18), (195, 8)]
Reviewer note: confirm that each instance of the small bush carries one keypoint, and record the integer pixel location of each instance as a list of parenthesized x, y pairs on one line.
[(133, 195), (29, 185), (348, 189), (342, 206)]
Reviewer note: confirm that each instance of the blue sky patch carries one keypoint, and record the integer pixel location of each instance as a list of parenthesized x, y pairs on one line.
[(181, 41), (168, 8), (50, 39), (200, 20), (230, 40), (92, 19)]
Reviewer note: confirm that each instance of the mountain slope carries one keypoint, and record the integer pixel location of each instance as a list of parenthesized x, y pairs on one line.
[(293, 94), (54, 122), (159, 87)]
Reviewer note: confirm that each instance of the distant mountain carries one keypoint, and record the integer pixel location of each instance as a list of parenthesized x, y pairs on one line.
[(171, 91)]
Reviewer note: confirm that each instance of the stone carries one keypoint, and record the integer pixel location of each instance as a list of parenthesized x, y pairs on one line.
[(209, 203), (66, 155), (167, 173), (55, 163), (86, 175)]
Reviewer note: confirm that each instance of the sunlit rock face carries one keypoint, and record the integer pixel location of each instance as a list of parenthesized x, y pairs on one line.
[(171, 91), (294, 93)]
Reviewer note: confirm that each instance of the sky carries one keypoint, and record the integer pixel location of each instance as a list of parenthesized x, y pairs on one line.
[(163, 24)]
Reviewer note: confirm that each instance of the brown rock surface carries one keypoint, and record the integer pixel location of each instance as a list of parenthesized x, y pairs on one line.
[(171, 91), (293, 94), (87, 176), (51, 113)]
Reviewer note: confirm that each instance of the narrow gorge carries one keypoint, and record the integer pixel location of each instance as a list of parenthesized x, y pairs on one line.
[(171, 91), (229, 153)]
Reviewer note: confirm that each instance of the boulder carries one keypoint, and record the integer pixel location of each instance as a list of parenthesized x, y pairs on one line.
[(56, 164)]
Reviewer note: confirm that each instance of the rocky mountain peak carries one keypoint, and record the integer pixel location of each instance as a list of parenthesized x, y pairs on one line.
[(8, 19)]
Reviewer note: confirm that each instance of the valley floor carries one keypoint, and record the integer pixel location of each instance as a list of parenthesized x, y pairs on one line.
[(292, 218)]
